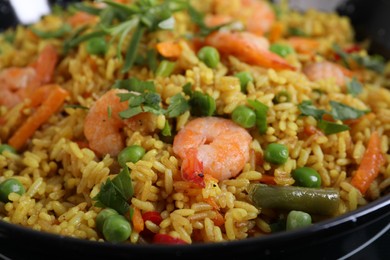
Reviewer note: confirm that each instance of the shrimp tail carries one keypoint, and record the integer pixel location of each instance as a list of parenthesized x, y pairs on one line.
[(192, 168)]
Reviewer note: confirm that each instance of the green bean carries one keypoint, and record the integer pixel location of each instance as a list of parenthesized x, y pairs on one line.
[(310, 200)]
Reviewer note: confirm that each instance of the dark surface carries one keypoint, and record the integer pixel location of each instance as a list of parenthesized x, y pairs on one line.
[(328, 240)]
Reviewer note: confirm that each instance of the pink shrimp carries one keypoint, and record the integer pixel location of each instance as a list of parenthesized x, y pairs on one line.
[(102, 125), (325, 70), (18, 83), (212, 146), (256, 15), (247, 47)]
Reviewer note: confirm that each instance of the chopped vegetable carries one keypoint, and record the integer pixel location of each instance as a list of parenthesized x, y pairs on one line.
[(169, 49), (282, 50), (261, 115), (310, 200), (165, 68), (50, 105), (115, 193), (97, 46), (281, 97), (102, 216), (276, 153), (9, 186), (152, 216), (202, 104), (297, 219), (354, 87), (244, 116), (57, 33), (245, 77), (132, 153), (6, 147), (137, 220), (306, 177), (369, 167), (116, 228), (210, 56)]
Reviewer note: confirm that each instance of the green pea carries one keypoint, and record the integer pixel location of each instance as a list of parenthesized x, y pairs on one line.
[(297, 219), (281, 49), (116, 229), (132, 153), (102, 216), (165, 68), (6, 147), (97, 46), (245, 77), (276, 153), (9, 186), (210, 56), (244, 116), (306, 177)]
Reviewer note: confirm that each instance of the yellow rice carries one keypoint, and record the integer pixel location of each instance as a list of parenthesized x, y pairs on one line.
[(61, 177)]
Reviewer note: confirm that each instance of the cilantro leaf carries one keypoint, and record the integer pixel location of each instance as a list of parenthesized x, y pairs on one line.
[(354, 87), (130, 112), (308, 109), (178, 105), (341, 111), (331, 128), (115, 193)]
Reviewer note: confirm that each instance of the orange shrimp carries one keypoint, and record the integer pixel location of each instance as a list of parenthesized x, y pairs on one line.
[(212, 146), (102, 125), (18, 83), (325, 70), (247, 47), (256, 15)]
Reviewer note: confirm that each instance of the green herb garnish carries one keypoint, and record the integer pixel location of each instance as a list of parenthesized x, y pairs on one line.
[(354, 87)]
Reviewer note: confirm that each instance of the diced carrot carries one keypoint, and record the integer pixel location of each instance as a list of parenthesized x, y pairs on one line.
[(267, 179), (369, 167), (211, 201), (49, 106), (138, 222), (311, 130), (169, 49), (276, 32), (219, 220)]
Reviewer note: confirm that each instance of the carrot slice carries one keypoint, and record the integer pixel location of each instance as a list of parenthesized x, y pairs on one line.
[(169, 49), (49, 106), (370, 165), (138, 221)]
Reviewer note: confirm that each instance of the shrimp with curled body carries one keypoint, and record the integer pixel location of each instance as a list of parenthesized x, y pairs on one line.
[(103, 125), (212, 146), (326, 70), (247, 47), (17, 83), (257, 16)]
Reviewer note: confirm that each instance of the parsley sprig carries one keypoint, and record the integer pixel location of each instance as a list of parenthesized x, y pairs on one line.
[(120, 20), (339, 111)]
